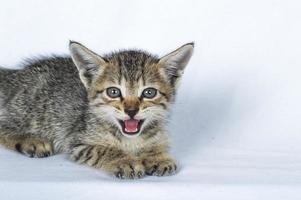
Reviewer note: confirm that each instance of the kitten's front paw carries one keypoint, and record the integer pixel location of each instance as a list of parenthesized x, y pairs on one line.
[(164, 167), (128, 169)]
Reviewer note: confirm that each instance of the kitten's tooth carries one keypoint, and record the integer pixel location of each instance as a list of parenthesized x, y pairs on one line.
[(126, 130)]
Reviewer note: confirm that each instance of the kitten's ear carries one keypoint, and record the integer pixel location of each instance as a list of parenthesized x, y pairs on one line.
[(89, 64), (174, 63)]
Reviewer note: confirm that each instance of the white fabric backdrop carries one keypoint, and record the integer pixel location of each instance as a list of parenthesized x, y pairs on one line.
[(235, 128)]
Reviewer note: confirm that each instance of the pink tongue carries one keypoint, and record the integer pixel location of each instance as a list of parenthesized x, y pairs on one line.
[(131, 125)]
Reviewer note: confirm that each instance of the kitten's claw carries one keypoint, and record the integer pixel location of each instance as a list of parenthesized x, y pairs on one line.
[(160, 168), (129, 170)]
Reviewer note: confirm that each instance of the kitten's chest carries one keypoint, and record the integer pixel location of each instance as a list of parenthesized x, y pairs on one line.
[(131, 146)]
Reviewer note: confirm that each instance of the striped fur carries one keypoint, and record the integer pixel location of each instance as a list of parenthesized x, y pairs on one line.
[(61, 104)]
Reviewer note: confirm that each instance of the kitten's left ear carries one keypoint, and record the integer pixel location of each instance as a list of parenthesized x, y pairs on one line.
[(89, 64), (174, 63)]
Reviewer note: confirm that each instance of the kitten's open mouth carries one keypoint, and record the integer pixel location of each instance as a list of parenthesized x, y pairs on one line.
[(131, 126)]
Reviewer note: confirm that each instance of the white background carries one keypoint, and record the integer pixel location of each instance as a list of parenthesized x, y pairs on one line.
[(236, 127)]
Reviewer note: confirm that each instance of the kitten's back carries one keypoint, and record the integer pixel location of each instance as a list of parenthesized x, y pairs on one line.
[(46, 92)]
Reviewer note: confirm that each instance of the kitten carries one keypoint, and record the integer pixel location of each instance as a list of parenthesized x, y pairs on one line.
[(108, 112)]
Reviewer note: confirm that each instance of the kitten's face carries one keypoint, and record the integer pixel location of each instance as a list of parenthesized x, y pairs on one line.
[(132, 90), (132, 95)]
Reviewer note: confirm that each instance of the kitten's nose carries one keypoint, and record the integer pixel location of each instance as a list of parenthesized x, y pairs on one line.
[(131, 111)]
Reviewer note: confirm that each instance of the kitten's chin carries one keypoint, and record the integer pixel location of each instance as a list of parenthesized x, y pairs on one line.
[(131, 127)]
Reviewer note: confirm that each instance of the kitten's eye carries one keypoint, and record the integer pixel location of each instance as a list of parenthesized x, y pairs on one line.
[(149, 93), (113, 92)]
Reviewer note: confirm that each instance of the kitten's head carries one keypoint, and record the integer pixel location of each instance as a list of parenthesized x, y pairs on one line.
[(132, 90)]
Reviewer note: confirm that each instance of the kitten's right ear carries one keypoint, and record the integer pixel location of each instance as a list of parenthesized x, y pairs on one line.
[(89, 64)]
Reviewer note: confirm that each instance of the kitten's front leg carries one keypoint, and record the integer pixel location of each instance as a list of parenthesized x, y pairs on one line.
[(158, 163), (109, 159)]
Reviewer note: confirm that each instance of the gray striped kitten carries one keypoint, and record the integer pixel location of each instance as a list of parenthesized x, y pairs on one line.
[(108, 112)]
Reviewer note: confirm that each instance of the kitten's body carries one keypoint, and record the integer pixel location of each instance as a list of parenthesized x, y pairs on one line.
[(34, 101), (58, 104)]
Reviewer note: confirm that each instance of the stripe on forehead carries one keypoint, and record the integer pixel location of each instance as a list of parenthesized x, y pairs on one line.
[(131, 63), (132, 72)]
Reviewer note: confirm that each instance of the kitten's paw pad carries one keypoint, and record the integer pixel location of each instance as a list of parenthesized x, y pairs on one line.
[(34, 148), (161, 168), (129, 170)]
